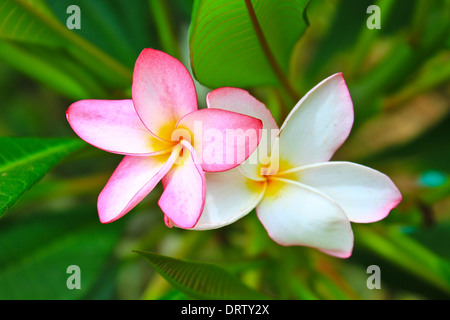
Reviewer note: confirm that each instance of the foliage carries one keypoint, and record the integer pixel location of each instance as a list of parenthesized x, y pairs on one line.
[(49, 179)]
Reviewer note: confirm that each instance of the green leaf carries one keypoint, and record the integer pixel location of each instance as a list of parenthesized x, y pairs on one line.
[(121, 28), (52, 68), (33, 22), (401, 63), (244, 43), (36, 251), (21, 20), (200, 280), (407, 253), (435, 238), (423, 153), (23, 161)]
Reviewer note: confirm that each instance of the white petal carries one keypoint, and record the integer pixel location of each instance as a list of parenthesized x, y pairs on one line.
[(365, 195), (229, 196), (294, 214), (318, 125)]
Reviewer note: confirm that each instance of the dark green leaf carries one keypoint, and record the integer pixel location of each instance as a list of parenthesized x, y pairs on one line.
[(33, 22), (35, 253), (408, 254), (23, 161), (227, 48), (424, 153), (122, 29), (345, 26), (435, 238), (200, 280)]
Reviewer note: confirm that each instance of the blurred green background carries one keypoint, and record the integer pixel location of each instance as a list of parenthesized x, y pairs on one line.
[(398, 77)]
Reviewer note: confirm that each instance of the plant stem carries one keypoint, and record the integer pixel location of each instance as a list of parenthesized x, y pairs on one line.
[(294, 95)]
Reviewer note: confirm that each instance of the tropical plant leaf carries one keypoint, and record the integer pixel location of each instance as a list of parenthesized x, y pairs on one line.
[(36, 251), (200, 280), (244, 43), (23, 161), (53, 68), (123, 29), (408, 254), (31, 21), (21, 20), (423, 153)]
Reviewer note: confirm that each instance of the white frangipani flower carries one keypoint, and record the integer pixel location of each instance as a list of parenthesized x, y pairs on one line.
[(300, 197)]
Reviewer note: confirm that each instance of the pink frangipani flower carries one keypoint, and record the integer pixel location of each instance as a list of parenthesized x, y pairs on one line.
[(300, 196), (164, 137)]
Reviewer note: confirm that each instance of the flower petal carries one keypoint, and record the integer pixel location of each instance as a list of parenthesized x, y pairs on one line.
[(365, 195), (163, 91), (318, 125), (222, 139), (230, 195), (240, 101), (184, 185), (294, 214), (113, 126), (131, 182)]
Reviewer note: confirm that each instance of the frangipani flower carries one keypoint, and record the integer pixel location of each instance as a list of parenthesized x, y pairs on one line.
[(300, 197), (164, 137)]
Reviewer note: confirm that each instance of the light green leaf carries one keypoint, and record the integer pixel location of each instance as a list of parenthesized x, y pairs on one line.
[(23, 161), (200, 280), (244, 43)]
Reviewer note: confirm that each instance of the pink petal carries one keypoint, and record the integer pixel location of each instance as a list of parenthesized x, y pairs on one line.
[(131, 182), (184, 185), (114, 126), (318, 125), (240, 101), (365, 195), (294, 214), (222, 139), (163, 91)]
